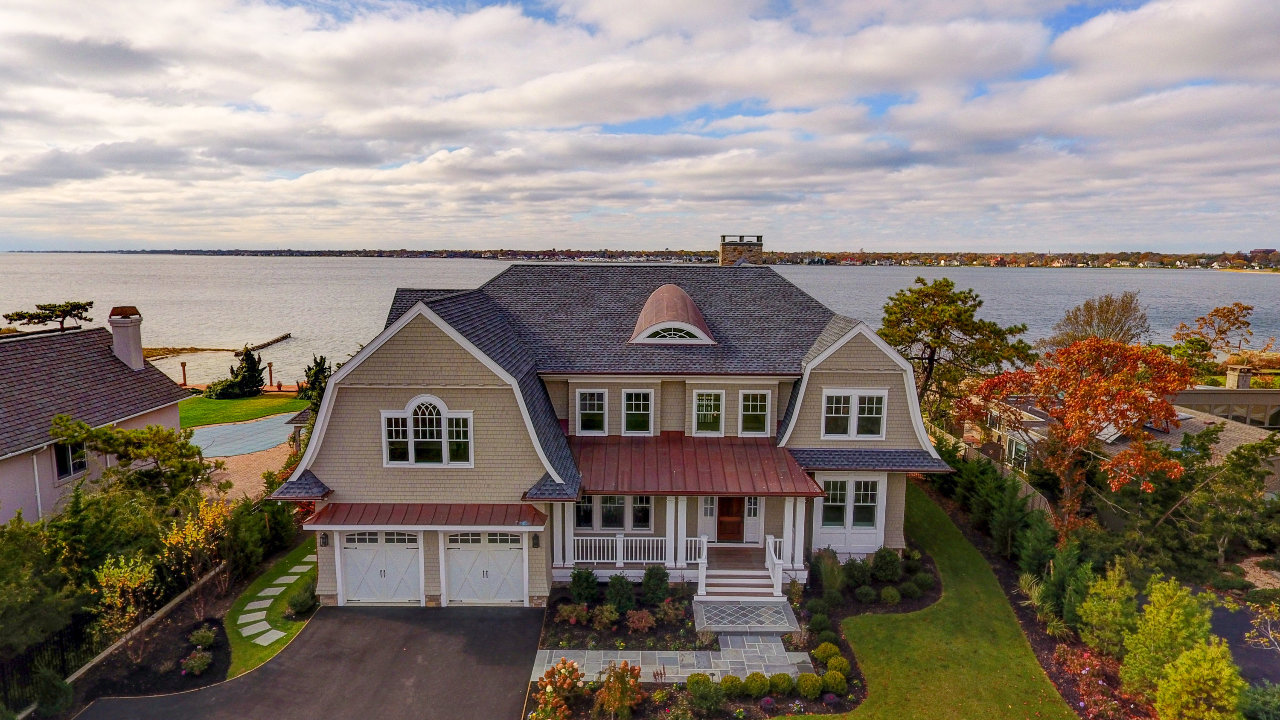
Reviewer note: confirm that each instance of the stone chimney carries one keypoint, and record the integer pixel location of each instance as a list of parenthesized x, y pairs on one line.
[(1239, 377), (126, 335), (741, 250)]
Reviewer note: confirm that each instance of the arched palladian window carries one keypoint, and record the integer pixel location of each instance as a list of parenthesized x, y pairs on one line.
[(426, 433)]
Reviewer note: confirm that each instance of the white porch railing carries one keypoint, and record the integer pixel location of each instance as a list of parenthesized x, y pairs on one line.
[(620, 549), (700, 557), (695, 549), (773, 561)]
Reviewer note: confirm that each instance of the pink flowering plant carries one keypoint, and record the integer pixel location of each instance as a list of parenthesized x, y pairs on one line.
[(1097, 678)]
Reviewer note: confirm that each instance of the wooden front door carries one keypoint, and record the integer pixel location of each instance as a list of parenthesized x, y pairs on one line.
[(729, 519)]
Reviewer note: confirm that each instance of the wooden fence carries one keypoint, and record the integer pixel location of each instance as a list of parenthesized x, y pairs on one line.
[(1035, 500)]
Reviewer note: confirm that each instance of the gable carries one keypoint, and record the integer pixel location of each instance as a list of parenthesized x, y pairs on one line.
[(421, 355)]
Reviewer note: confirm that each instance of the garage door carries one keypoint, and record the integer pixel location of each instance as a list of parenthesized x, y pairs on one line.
[(381, 567), (485, 568)]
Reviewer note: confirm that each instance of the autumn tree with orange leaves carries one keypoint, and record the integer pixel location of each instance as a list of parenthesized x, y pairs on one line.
[(1223, 328), (1090, 387)]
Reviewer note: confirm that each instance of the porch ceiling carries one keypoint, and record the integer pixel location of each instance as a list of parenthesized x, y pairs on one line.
[(677, 464)]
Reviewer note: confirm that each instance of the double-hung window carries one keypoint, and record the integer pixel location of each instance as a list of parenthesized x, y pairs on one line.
[(850, 503), (853, 414), (833, 504), (70, 459), (637, 412), (426, 433), (708, 412), (641, 512), (613, 513), (864, 503), (753, 412), (592, 417)]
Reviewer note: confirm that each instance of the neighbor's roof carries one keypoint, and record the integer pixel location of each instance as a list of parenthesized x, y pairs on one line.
[(677, 464), (71, 373), (915, 461), (418, 515), (1190, 422)]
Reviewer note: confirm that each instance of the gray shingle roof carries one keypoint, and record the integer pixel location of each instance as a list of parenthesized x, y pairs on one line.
[(73, 373), (304, 487), (919, 461)]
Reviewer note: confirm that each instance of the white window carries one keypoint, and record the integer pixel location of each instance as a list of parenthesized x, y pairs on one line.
[(612, 513), (851, 503), (853, 414), (361, 538), (1017, 454), (672, 333), (864, 503), (708, 412), (504, 539), (464, 539), (427, 434), (833, 504), (399, 538), (70, 459), (753, 507), (708, 507), (637, 412), (753, 413), (592, 417)]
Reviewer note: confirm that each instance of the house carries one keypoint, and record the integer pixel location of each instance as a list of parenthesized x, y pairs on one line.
[(717, 421), (95, 375)]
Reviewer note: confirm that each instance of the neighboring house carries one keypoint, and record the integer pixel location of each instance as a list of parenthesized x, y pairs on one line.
[(1011, 446), (94, 375), (717, 421)]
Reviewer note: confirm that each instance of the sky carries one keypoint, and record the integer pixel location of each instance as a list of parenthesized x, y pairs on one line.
[(823, 125)]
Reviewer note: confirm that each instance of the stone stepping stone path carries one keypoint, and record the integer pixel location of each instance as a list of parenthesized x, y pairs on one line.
[(299, 568), (309, 558), (255, 628), (284, 580), (254, 620), (251, 617), (257, 605), (268, 637), (268, 592)]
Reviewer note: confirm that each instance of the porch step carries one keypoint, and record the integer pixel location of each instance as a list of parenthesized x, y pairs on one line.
[(721, 580), (737, 573)]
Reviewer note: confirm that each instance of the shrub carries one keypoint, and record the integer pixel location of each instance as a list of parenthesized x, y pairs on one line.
[(573, 614), (890, 596), (303, 599), (781, 684), (243, 540), (828, 636), (697, 679), (246, 379), (1226, 582), (203, 636), (829, 571), (856, 572), (1008, 516), (619, 691), (819, 622), (1202, 684), (197, 662), (924, 580), (1109, 610), (620, 593), (809, 686), (1034, 546), (640, 621), (834, 681), (865, 594), (840, 665), (830, 699), (1263, 596), (1261, 702), (817, 607), (1172, 622), (656, 585), (583, 586), (909, 590), (756, 685), (669, 612), (558, 685), (768, 705), (53, 694), (604, 617), (705, 696), (825, 652), (732, 686), (833, 598), (886, 566), (911, 562)]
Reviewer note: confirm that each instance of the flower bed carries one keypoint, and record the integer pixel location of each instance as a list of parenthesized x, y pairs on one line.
[(666, 626)]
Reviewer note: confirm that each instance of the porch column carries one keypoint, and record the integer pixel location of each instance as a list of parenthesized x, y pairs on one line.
[(788, 532), (557, 536), (569, 519), (671, 531), (682, 529), (797, 553)]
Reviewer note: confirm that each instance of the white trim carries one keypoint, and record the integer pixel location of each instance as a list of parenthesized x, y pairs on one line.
[(908, 378), (768, 412), (848, 538), (628, 505), (35, 469), (445, 415), (788, 531), (700, 337), (694, 378), (43, 445), (623, 426), (336, 544), (577, 411), (422, 570), (444, 571), (693, 416), (446, 528), (418, 310), (855, 396), (524, 554)]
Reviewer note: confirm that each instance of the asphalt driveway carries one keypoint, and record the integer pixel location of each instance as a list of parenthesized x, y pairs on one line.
[(371, 664)]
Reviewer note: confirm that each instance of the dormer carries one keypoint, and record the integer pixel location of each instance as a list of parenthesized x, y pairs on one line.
[(671, 317)]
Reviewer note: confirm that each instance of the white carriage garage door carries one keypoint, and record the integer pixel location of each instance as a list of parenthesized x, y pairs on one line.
[(381, 567), (485, 568)]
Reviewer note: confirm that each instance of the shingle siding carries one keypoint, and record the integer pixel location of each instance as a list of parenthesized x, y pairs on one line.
[(421, 355), (899, 428), (895, 510)]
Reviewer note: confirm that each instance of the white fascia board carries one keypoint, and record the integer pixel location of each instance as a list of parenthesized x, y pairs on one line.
[(419, 309), (446, 528)]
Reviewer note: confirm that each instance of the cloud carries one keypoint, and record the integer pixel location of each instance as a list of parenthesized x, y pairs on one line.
[(885, 123)]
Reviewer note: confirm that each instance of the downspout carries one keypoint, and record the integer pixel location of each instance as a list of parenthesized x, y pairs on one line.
[(35, 468)]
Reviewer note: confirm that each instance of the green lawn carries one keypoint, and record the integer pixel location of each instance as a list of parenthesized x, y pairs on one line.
[(198, 411), (245, 654), (963, 658)]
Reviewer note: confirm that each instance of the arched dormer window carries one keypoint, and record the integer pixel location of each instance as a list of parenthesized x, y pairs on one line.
[(426, 434), (670, 317)]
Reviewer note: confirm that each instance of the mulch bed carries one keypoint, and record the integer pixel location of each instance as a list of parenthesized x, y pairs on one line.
[(1042, 644), (564, 636)]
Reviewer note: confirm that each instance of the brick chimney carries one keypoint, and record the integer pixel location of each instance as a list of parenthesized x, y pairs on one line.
[(126, 335), (741, 249), (1239, 377)]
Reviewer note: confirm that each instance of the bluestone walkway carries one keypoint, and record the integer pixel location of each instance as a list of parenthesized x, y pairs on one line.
[(739, 654)]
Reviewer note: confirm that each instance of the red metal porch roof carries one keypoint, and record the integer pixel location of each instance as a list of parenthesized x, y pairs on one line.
[(429, 514), (677, 464)]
